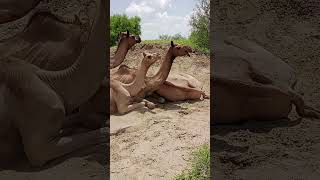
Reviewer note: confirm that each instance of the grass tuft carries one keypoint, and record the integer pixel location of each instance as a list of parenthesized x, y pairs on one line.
[(200, 165)]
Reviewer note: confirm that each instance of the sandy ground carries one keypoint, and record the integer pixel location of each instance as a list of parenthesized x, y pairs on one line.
[(78, 166), (157, 144), (281, 149)]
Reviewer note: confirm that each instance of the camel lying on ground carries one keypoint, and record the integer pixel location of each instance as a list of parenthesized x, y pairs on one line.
[(180, 87), (121, 94), (93, 113), (42, 97), (126, 74), (249, 86)]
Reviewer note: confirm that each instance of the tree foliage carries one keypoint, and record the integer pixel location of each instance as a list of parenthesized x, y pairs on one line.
[(121, 23), (200, 21)]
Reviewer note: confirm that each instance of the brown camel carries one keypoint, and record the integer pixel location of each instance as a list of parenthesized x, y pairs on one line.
[(250, 83), (181, 86), (42, 97), (92, 114), (153, 83), (123, 48), (121, 93)]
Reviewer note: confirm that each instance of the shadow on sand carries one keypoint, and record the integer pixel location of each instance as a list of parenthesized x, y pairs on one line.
[(252, 126), (98, 153)]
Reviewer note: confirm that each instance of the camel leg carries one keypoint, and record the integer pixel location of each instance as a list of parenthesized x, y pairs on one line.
[(158, 98), (149, 104), (136, 106), (127, 108), (301, 108), (40, 122)]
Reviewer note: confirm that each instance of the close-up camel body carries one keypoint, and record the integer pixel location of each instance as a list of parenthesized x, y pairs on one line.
[(180, 87), (247, 85), (121, 94), (42, 97), (126, 74)]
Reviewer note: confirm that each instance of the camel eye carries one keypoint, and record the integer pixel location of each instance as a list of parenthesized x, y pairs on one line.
[(149, 57)]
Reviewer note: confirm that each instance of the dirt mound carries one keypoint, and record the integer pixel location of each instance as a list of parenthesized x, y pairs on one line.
[(156, 144), (283, 149)]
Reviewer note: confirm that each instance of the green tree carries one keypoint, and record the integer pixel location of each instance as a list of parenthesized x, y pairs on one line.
[(121, 23), (199, 22)]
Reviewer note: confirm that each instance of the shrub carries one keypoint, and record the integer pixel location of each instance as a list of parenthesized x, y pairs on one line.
[(122, 23)]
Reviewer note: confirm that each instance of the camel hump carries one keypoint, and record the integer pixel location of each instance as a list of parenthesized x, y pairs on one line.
[(183, 81)]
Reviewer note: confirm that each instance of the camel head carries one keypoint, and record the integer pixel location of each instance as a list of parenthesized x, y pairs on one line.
[(150, 58), (129, 40), (177, 50)]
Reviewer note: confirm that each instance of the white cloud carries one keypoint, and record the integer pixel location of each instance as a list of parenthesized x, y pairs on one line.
[(164, 3), (157, 19), (139, 9)]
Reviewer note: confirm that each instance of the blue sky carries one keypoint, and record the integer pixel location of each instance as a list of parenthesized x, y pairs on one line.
[(157, 16)]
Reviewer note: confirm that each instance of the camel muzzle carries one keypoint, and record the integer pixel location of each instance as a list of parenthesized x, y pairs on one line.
[(138, 39)]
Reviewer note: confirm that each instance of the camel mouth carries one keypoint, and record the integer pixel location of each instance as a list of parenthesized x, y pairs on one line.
[(138, 39)]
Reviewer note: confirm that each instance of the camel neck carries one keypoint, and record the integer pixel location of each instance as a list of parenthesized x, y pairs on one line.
[(119, 55), (165, 68), (139, 82), (160, 77)]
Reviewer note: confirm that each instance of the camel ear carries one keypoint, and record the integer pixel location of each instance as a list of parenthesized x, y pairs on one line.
[(144, 54), (128, 34), (172, 45)]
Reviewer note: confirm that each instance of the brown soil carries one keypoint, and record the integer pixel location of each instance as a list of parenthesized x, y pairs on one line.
[(157, 144), (281, 149)]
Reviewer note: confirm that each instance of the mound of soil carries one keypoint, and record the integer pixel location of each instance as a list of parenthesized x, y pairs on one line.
[(157, 144), (286, 148)]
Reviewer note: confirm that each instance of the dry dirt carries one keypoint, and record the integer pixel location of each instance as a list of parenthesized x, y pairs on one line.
[(157, 144), (281, 149)]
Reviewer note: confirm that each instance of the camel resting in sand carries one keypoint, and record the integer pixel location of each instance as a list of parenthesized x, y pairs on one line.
[(126, 74), (247, 86), (180, 87), (122, 94)]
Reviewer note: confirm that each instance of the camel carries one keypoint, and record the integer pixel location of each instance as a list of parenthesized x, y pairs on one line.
[(180, 87), (42, 97), (121, 94), (126, 74), (247, 85), (92, 114), (126, 42)]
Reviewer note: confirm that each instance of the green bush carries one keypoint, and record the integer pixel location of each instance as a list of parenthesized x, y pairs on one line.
[(121, 23), (200, 165), (200, 25)]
